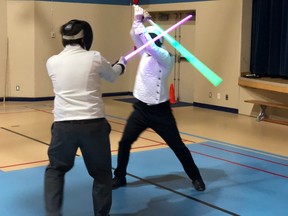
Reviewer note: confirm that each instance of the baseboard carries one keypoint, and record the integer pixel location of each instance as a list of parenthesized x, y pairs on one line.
[(218, 108), (117, 94), (207, 106), (29, 99)]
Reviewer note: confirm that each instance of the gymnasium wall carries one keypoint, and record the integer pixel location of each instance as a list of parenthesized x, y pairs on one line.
[(221, 40), (30, 25), (111, 35), (3, 46), (217, 42)]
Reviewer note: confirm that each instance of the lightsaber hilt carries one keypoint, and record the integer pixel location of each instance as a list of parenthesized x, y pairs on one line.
[(127, 57)]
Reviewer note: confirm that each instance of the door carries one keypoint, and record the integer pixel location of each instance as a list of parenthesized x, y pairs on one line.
[(182, 74)]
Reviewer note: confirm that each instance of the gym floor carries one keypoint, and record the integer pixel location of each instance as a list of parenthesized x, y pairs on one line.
[(244, 164)]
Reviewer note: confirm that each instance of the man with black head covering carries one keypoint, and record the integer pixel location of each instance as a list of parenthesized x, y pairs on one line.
[(79, 117), (152, 109)]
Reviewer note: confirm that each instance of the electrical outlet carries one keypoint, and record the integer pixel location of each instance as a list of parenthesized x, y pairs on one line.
[(218, 96), (226, 97), (53, 34), (17, 88), (210, 94)]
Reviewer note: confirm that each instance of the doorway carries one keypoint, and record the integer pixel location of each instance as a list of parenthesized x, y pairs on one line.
[(182, 75)]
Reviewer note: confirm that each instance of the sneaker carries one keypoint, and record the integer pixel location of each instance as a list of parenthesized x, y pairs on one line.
[(199, 185), (118, 182)]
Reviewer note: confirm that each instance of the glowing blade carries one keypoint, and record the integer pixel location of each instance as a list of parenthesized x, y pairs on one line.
[(202, 68), (127, 57)]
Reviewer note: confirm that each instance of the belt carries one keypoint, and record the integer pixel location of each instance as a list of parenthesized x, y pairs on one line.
[(84, 121), (159, 106)]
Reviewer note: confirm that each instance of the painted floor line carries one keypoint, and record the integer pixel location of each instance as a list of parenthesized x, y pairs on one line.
[(23, 135), (223, 143), (243, 165), (23, 164), (250, 156)]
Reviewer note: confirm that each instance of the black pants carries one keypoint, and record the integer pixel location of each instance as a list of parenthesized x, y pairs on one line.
[(161, 120), (92, 137)]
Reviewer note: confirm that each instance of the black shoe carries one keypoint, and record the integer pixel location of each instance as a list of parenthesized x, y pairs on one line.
[(199, 185), (118, 182)]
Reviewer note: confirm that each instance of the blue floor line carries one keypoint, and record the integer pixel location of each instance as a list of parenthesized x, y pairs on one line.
[(258, 163), (243, 152)]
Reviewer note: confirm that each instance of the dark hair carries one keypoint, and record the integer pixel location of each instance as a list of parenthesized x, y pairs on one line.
[(157, 42), (71, 28)]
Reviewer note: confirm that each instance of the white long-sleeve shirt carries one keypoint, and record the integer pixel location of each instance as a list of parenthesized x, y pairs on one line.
[(154, 68), (76, 74)]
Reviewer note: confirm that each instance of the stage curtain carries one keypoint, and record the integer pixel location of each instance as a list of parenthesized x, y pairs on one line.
[(269, 45)]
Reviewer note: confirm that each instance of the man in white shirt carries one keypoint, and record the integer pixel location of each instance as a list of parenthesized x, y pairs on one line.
[(79, 117), (152, 110)]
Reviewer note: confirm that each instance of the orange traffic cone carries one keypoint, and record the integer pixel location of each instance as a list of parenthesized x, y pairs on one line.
[(172, 95)]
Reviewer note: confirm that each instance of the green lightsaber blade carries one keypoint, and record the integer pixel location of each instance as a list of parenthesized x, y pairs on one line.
[(202, 68)]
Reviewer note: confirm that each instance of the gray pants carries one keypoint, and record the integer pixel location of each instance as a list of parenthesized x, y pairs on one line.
[(92, 137)]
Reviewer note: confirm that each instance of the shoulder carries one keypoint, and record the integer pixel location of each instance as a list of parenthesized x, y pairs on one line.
[(51, 60), (95, 53)]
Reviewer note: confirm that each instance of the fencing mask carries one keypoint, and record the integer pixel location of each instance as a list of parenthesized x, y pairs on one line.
[(154, 32), (75, 31)]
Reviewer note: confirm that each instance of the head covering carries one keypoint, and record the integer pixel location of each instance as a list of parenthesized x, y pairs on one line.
[(74, 37), (154, 30), (78, 29)]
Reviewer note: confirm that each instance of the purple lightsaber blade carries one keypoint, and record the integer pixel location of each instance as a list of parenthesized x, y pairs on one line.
[(130, 55)]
